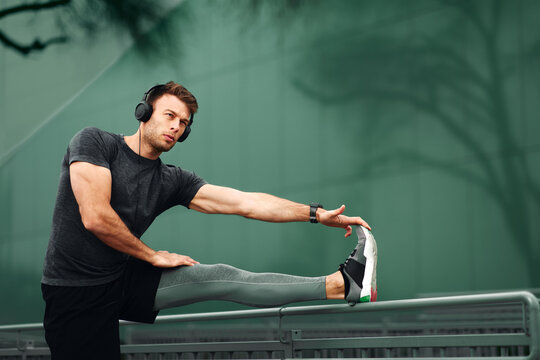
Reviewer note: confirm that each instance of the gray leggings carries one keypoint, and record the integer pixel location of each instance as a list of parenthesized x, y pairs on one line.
[(188, 284)]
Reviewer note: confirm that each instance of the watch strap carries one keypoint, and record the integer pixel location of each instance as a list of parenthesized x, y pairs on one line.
[(313, 212)]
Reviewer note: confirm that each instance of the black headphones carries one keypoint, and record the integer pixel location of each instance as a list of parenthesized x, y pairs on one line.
[(143, 112)]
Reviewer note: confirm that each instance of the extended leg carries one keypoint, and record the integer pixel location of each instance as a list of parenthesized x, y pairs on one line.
[(356, 281), (189, 284)]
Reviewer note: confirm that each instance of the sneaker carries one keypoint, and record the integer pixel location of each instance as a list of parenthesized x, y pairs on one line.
[(359, 270)]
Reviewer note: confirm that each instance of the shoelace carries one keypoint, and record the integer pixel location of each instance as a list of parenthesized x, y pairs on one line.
[(342, 266)]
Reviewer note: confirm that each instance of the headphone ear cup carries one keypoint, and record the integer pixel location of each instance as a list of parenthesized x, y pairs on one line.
[(185, 134), (143, 111)]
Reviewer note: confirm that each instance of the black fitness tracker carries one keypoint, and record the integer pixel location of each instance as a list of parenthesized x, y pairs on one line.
[(313, 212)]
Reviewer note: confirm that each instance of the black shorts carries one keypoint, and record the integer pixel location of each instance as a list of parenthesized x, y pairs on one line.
[(82, 322)]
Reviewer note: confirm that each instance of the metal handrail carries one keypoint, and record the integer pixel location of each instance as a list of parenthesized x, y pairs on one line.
[(409, 304), (530, 302)]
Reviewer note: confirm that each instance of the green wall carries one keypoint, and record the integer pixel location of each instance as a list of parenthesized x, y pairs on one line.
[(420, 116)]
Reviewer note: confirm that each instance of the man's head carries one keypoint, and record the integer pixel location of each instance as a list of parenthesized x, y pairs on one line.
[(172, 107), (144, 109)]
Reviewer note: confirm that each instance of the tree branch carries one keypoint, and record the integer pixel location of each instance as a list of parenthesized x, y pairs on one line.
[(453, 128), (469, 11), (449, 55), (453, 168), (37, 45), (33, 7)]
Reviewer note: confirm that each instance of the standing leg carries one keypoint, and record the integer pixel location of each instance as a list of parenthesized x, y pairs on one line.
[(82, 322)]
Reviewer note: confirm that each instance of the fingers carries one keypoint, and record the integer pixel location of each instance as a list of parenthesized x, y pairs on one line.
[(166, 259), (188, 261), (337, 219), (365, 224), (183, 260)]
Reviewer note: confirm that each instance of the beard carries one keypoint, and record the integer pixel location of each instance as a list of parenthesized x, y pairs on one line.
[(153, 138)]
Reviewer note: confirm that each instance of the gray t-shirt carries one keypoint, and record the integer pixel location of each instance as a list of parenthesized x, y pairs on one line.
[(141, 190)]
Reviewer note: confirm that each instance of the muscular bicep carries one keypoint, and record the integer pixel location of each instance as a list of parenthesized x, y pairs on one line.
[(212, 199), (91, 185)]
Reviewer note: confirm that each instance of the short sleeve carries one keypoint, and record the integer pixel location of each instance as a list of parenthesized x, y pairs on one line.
[(186, 186), (91, 145)]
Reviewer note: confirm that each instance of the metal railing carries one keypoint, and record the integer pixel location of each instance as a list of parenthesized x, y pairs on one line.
[(291, 342)]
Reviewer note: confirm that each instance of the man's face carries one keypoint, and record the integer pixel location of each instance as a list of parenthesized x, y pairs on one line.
[(167, 123)]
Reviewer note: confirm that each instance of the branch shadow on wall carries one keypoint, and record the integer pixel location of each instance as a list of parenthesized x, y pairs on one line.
[(455, 74)]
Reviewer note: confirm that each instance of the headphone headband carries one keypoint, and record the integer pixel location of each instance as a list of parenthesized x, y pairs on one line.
[(145, 96)]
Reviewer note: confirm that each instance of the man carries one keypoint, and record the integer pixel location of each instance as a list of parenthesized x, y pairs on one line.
[(97, 270)]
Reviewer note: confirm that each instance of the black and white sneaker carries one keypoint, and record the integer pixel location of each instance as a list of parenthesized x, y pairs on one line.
[(359, 270)]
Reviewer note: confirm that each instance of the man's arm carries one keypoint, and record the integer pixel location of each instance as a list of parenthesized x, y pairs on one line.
[(91, 186), (212, 199)]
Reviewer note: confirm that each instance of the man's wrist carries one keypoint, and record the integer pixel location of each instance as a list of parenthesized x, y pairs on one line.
[(318, 213)]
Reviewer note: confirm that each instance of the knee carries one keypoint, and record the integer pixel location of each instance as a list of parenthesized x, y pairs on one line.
[(224, 271)]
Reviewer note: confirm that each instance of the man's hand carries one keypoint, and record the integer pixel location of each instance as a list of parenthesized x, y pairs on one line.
[(165, 259), (335, 219)]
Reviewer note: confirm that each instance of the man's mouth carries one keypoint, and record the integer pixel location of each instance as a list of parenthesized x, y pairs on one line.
[(169, 138)]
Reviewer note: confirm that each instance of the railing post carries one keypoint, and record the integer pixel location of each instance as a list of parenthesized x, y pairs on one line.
[(286, 339), (295, 335)]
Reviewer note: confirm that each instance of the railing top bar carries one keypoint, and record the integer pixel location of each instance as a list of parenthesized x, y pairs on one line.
[(21, 327), (219, 315), (408, 304), (503, 297)]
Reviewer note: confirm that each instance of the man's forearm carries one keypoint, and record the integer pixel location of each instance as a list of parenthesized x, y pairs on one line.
[(270, 208), (107, 226)]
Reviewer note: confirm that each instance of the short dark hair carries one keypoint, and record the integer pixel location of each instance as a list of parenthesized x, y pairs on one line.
[(177, 90)]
